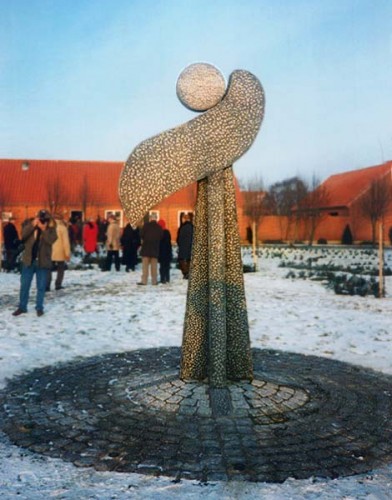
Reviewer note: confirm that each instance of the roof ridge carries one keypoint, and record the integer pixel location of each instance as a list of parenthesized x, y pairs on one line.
[(361, 193), (386, 164), (15, 160)]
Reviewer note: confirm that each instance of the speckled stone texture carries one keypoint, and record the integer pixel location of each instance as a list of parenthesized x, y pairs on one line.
[(216, 335), (301, 417)]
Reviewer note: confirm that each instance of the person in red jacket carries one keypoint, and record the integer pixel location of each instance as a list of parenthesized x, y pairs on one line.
[(90, 237)]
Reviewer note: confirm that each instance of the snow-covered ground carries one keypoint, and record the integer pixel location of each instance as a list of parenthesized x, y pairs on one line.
[(107, 312)]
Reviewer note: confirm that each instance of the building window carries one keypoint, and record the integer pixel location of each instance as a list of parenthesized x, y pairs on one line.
[(118, 214), (76, 215)]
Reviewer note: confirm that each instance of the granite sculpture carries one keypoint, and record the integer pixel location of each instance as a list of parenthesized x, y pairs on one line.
[(216, 343)]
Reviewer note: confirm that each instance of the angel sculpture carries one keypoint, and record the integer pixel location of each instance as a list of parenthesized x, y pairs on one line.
[(216, 342)]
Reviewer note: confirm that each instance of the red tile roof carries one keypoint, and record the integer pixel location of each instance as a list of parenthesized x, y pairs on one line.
[(343, 189), (30, 186)]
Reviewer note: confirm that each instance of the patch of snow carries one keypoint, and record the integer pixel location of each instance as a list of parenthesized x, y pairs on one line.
[(99, 313)]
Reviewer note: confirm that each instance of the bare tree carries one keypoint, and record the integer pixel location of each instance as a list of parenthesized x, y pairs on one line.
[(86, 195), (282, 198), (254, 208), (375, 203), (56, 195), (3, 199), (312, 207)]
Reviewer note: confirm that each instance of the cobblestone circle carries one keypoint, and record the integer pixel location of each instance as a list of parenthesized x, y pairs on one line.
[(302, 416)]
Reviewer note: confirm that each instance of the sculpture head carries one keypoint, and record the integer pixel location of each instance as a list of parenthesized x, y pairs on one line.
[(200, 86)]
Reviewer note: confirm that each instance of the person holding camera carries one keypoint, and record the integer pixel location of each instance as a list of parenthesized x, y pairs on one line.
[(38, 235)]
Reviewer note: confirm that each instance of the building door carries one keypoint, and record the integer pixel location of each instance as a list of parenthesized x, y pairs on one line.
[(76, 215)]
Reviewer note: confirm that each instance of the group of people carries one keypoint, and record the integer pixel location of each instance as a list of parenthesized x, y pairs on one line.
[(157, 248), (47, 248), (87, 234), (128, 241)]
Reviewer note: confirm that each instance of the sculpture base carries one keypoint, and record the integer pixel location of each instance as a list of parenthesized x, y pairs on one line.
[(301, 416)]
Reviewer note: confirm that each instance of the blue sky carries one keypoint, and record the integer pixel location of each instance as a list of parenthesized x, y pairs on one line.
[(90, 79)]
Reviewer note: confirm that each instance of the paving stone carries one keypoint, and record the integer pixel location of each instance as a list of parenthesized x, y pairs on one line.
[(302, 416)]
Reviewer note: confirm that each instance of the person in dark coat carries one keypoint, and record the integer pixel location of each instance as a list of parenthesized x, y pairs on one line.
[(102, 228), (77, 228), (71, 235), (130, 242), (184, 242), (11, 243), (165, 253), (151, 236)]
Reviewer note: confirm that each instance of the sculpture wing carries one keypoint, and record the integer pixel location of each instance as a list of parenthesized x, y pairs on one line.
[(165, 163)]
